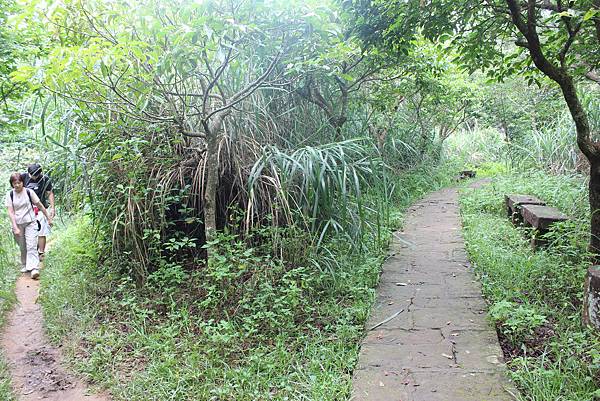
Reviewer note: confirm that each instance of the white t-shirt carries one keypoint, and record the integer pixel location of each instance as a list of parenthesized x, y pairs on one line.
[(20, 202)]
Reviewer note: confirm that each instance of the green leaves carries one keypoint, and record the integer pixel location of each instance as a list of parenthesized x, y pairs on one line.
[(23, 74), (516, 321), (591, 13), (322, 185)]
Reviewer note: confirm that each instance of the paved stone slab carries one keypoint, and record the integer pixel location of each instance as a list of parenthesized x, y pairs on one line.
[(430, 339), (404, 385)]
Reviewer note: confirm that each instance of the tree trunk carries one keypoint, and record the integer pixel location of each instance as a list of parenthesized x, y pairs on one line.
[(591, 298), (594, 197), (210, 189), (212, 131), (590, 149), (337, 123)]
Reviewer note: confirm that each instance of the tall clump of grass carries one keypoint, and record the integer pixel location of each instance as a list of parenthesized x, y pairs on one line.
[(321, 188), (553, 149), (475, 145), (147, 190), (7, 265), (550, 146)]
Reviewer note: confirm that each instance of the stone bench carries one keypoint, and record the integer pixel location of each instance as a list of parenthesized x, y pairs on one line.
[(541, 218), (514, 203), (467, 174)]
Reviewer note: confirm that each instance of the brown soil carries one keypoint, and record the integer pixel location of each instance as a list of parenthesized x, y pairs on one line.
[(35, 365), (533, 345)]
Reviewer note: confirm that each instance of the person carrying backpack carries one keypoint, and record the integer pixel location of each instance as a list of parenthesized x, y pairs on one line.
[(20, 202), (40, 183)]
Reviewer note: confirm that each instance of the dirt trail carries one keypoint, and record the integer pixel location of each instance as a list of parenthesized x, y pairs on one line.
[(34, 363)]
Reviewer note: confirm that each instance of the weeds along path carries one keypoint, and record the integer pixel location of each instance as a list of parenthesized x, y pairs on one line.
[(35, 365), (428, 338)]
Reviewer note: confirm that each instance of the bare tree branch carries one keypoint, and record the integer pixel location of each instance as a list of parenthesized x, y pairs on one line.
[(248, 90)]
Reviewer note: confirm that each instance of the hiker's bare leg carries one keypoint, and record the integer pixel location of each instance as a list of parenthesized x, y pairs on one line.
[(41, 245)]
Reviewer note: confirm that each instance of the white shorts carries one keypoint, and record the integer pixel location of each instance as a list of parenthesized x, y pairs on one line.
[(44, 226)]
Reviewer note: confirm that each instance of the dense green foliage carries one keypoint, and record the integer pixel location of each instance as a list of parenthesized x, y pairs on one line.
[(487, 34), (523, 129), (194, 98)]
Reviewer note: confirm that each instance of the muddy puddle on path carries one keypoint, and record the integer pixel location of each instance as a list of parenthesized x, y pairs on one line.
[(35, 365)]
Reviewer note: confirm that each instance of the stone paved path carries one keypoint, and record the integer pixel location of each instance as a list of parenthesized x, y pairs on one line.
[(440, 346)]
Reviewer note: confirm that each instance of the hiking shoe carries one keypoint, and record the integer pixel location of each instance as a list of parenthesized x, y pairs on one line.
[(35, 273), (41, 255), (24, 269)]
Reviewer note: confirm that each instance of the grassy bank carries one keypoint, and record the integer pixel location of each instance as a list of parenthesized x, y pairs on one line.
[(282, 332), (535, 297), (8, 275)]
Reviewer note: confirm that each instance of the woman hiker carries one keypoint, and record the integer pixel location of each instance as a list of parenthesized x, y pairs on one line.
[(20, 202)]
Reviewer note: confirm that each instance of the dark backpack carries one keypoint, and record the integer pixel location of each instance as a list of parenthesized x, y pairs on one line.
[(40, 187)]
